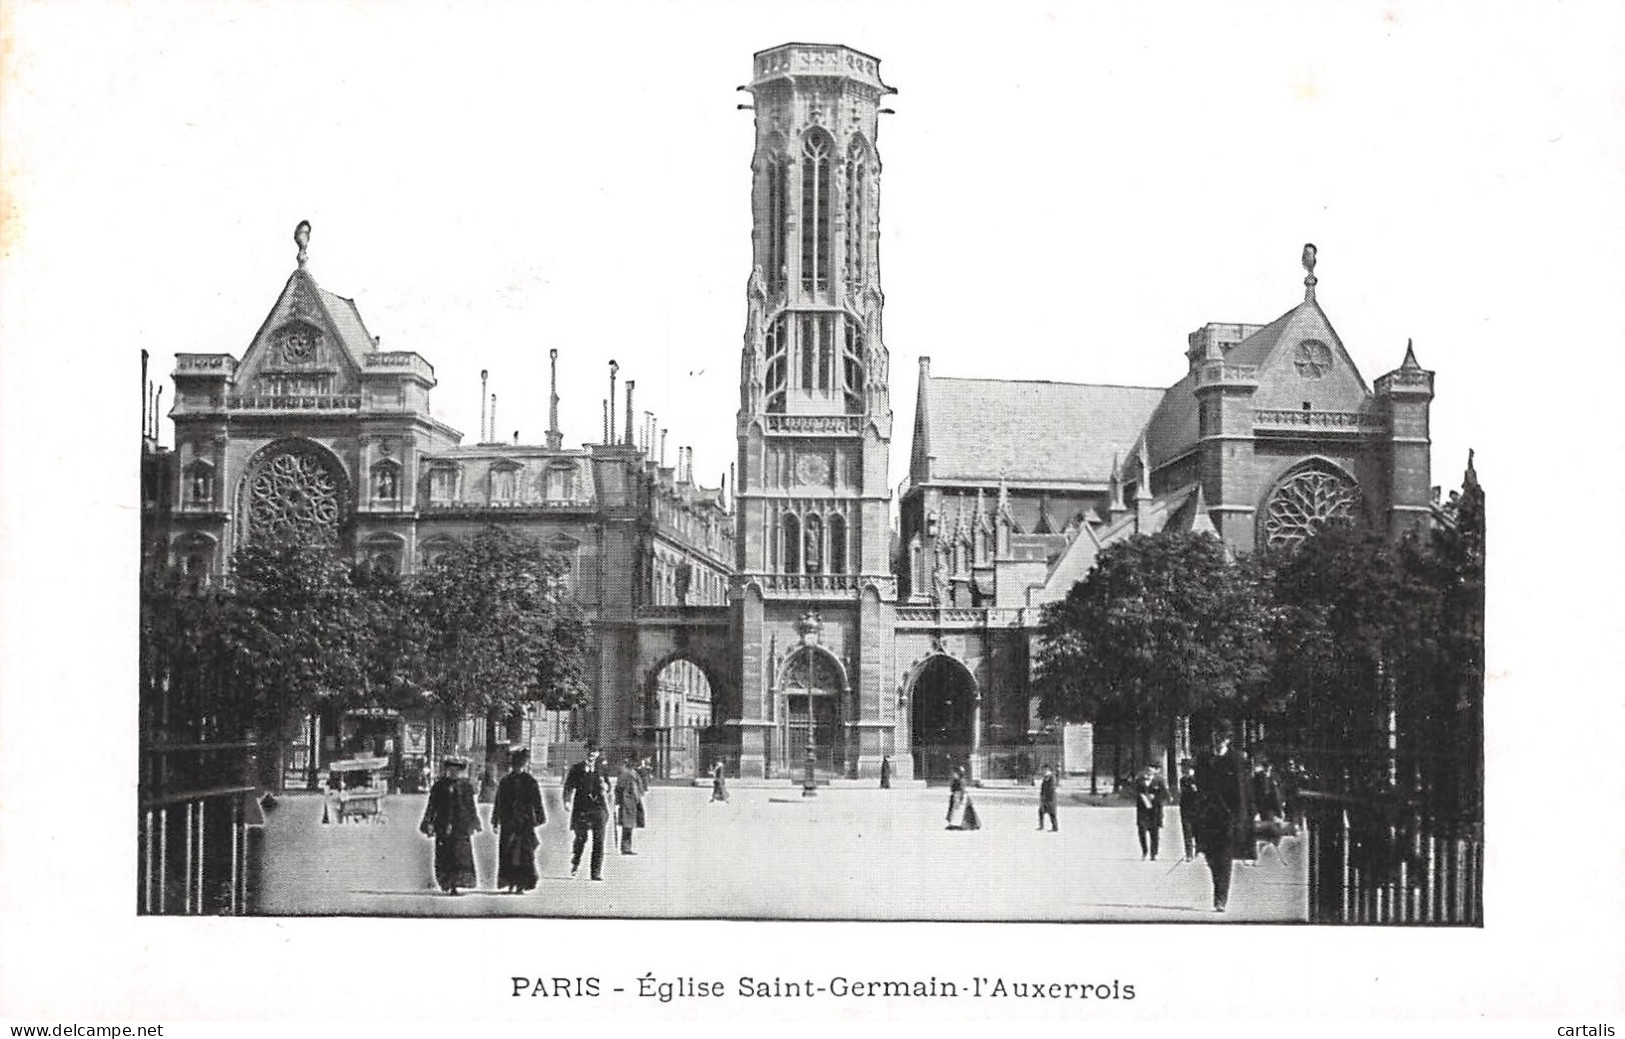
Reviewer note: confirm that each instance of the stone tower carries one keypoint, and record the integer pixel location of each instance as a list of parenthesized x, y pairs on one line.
[(814, 593)]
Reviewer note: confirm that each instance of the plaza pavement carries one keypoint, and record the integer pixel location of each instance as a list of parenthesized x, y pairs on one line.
[(768, 853)]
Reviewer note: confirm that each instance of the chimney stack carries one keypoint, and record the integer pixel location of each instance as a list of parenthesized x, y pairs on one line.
[(609, 428), (144, 423), (606, 422), (663, 448), (493, 437), (555, 439), (484, 376), (630, 383)]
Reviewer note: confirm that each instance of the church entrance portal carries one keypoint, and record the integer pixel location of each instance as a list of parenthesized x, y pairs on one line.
[(943, 696), (810, 706)]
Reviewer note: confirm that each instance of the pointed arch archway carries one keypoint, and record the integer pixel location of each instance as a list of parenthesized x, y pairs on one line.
[(812, 697), (941, 693)]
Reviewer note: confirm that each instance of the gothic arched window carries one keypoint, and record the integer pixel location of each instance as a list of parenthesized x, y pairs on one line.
[(857, 210), (776, 185), (837, 545), (816, 201), (790, 557), (776, 346), (1306, 500), (852, 367)]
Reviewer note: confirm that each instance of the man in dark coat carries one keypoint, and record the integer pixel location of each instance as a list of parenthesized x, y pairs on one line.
[(1190, 801), (885, 772), (628, 802), (452, 820), (1224, 823), (515, 815), (1150, 795), (1046, 800), (586, 796)]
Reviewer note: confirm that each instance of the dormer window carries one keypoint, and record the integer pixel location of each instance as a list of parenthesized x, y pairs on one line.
[(442, 484), (504, 481), (561, 483)]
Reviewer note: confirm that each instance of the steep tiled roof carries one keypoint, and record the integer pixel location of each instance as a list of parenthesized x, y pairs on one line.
[(985, 429), (1174, 511), (347, 320), (1172, 428)]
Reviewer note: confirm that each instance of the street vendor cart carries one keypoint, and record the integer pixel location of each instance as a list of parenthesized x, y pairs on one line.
[(359, 785)]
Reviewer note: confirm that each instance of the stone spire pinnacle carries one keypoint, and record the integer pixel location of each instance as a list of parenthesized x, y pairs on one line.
[(1309, 280), (1116, 507), (1142, 489), (301, 236), (1410, 357)]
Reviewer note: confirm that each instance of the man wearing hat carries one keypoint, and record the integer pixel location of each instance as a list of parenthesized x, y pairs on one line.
[(629, 791), (586, 796), (516, 813), (452, 820), (1225, 814)]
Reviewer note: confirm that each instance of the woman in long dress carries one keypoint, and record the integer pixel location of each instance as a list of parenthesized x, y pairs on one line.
[(517, 812), (452, 820), (719, 784), (961, 812)]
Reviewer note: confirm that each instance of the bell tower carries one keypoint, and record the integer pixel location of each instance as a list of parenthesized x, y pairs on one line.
[(814, 421)]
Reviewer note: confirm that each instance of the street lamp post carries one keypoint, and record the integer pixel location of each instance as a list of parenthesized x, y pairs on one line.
[(809, 786)]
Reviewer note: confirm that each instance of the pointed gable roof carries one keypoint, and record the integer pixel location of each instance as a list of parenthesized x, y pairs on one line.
[(1049, 432), (303, 300), (1172, 429)]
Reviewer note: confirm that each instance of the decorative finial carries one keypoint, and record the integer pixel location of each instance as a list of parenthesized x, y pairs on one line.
[(1309, 266), (301, 235)]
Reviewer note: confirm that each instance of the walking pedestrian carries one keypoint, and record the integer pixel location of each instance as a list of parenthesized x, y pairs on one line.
[(451, 819), (1150, 795), (1190, 800), (516, 813), (719, 785), (885, 772), (628, 802), (1046, 799), (586, 796), (1222, 776), (961, 812)]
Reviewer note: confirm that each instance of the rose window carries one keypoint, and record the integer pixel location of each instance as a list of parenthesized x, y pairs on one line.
[(1305, 502), (294, 494), (1313, 359), (299, 344)]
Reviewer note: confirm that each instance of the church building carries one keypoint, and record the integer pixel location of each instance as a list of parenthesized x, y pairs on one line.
[(787, 612)]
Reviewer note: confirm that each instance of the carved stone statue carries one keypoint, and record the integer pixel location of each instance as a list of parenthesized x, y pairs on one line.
[(940, 577)]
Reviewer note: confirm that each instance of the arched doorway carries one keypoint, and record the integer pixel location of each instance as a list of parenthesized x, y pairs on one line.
[(943, 697), (680, 708), (811, 689)]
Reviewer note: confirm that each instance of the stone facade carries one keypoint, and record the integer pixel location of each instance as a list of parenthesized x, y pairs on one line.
[(824, 636)]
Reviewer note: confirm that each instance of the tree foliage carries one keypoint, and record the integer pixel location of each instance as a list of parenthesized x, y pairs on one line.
[(499, 628), (1164, 626)]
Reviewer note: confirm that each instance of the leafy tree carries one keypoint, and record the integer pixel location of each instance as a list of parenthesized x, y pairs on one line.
[(291, 632), (1165, 626), (499, 629)]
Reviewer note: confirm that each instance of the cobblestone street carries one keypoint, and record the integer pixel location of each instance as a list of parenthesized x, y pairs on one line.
[(768, 853)]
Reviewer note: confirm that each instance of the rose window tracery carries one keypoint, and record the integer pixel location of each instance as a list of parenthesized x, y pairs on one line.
[(294, 494), (1313, 359), (1306, 501)]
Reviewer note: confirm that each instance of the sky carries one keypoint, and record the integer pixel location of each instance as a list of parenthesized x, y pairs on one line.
[(1069, 189)]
